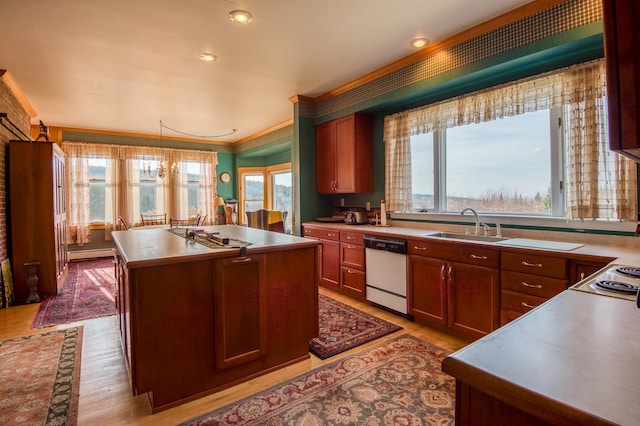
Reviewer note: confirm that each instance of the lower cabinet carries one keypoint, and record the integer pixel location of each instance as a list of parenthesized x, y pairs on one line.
[(240, 309), (455, 287), (352, 266), (329, 254)]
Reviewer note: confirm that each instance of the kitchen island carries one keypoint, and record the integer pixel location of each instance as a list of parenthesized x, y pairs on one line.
[(196, 319), (572, 360)]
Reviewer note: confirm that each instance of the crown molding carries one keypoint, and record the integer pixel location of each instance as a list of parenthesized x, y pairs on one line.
[(12, 84)]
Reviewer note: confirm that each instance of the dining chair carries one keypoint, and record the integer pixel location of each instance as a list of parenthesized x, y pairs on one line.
[(123, 224), (258, 219), (183, 223), (153, 219), (202, 219), (228, 216)]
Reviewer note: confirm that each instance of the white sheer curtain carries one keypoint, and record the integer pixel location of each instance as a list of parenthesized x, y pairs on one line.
[(122, 183), (592, 179), (78, 199)]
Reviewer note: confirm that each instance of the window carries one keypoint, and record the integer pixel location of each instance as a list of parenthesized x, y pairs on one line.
[(282, 194), (533, 147), (499, 166), (268, 188), (151, 188), (192, 186), (97, 185)]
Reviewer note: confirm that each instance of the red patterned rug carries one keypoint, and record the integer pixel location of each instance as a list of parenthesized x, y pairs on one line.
[(88, 292), (398, 382), (40, 378), (343, 327)]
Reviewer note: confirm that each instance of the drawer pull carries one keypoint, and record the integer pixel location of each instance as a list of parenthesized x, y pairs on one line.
[(526, 305), (419, 248), (475, 256), (350, 237), (351, 272), (241, 260), (531, 285), (331, 235), (535, 265), (350, 246)]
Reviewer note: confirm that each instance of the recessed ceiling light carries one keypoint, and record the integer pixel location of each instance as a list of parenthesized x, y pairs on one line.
[(419, 42), (208, 57), (240, 16)]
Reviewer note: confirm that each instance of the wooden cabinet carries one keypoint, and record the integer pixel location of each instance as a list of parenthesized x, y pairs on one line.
[(622, 53), (38, 215), (329, 254), (581, 269), (200, 324), (352, 266), (528, 280), (240, 307), (454, 285), (344, 155)]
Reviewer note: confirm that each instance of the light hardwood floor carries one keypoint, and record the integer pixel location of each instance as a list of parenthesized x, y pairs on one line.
[(105, 393)]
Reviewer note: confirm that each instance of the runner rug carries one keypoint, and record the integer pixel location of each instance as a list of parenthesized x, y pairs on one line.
[(88, 292), (343, 327), (398, 382), (40, 378)]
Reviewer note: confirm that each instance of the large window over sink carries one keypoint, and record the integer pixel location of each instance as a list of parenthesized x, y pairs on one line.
[(533, 147)]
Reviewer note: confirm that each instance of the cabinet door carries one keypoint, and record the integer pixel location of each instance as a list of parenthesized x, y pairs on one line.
[(427, 289), (622, 53), (240, 310), (353, 282), (473, 299), (326, 158), (330, 253), (345, 164)]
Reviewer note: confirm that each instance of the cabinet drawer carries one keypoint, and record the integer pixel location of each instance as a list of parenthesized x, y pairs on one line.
[(352, 256), (462, 253), (547, 266), (356, 238), (519, 302), (534, 285), (353, 279), (506, 316), (322, 233)]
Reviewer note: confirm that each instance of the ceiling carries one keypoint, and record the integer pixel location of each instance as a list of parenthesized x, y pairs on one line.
[(124, 66)]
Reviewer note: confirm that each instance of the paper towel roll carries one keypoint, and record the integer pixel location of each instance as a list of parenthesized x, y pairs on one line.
[(383, 213)]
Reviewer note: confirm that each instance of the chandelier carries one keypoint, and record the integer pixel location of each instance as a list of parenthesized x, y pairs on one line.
[(162, 171)]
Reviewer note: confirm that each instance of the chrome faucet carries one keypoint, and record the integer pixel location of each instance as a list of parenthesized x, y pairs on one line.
[(476, 216)]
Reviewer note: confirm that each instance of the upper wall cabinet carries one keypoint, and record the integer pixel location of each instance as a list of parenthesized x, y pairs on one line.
[(622, 52), (344, 155)]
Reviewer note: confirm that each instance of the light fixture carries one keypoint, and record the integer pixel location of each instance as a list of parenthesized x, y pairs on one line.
[(217, 202), (208, 57), (161, 171), (419, 42), (240, 16)]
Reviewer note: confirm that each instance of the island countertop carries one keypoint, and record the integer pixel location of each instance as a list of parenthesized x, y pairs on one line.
[(571, 361), (147, 246)]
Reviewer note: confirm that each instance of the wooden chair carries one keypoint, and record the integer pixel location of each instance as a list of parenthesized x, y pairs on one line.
[(153, 219), (201, 220), (258, 219), (228, 216), (123, 224), (183, 223)]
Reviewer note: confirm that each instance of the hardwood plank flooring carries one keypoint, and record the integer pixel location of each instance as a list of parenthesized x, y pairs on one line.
[(105, 393)]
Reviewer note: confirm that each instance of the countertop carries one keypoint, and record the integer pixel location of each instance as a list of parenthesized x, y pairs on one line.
[(574, 358), (610, 253), (142, 247)]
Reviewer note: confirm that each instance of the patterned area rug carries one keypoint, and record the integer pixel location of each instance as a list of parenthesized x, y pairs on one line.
[(398, 382), (40, 378), (343, 327), (88, 292)]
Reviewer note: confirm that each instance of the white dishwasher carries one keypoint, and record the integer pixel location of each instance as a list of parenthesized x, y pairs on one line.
[(386, 272)]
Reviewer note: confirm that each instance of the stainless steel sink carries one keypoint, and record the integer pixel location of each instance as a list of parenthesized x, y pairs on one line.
[(455, 236)]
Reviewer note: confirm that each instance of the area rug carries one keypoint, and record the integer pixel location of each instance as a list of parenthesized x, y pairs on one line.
[(40, 378), (343, 327), (88, 292), (398, 382)]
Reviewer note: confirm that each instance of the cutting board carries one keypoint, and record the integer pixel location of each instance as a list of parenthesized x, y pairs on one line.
[(539, 244)]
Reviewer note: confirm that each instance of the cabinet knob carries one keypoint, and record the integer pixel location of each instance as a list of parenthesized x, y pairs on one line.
[(534, 265), (526, 305), (241, 260), (531, 285), (475, 256), (419, 248)]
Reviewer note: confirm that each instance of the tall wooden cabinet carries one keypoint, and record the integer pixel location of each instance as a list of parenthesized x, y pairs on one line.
[(622, 53), (344, 155), (38, 216)]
